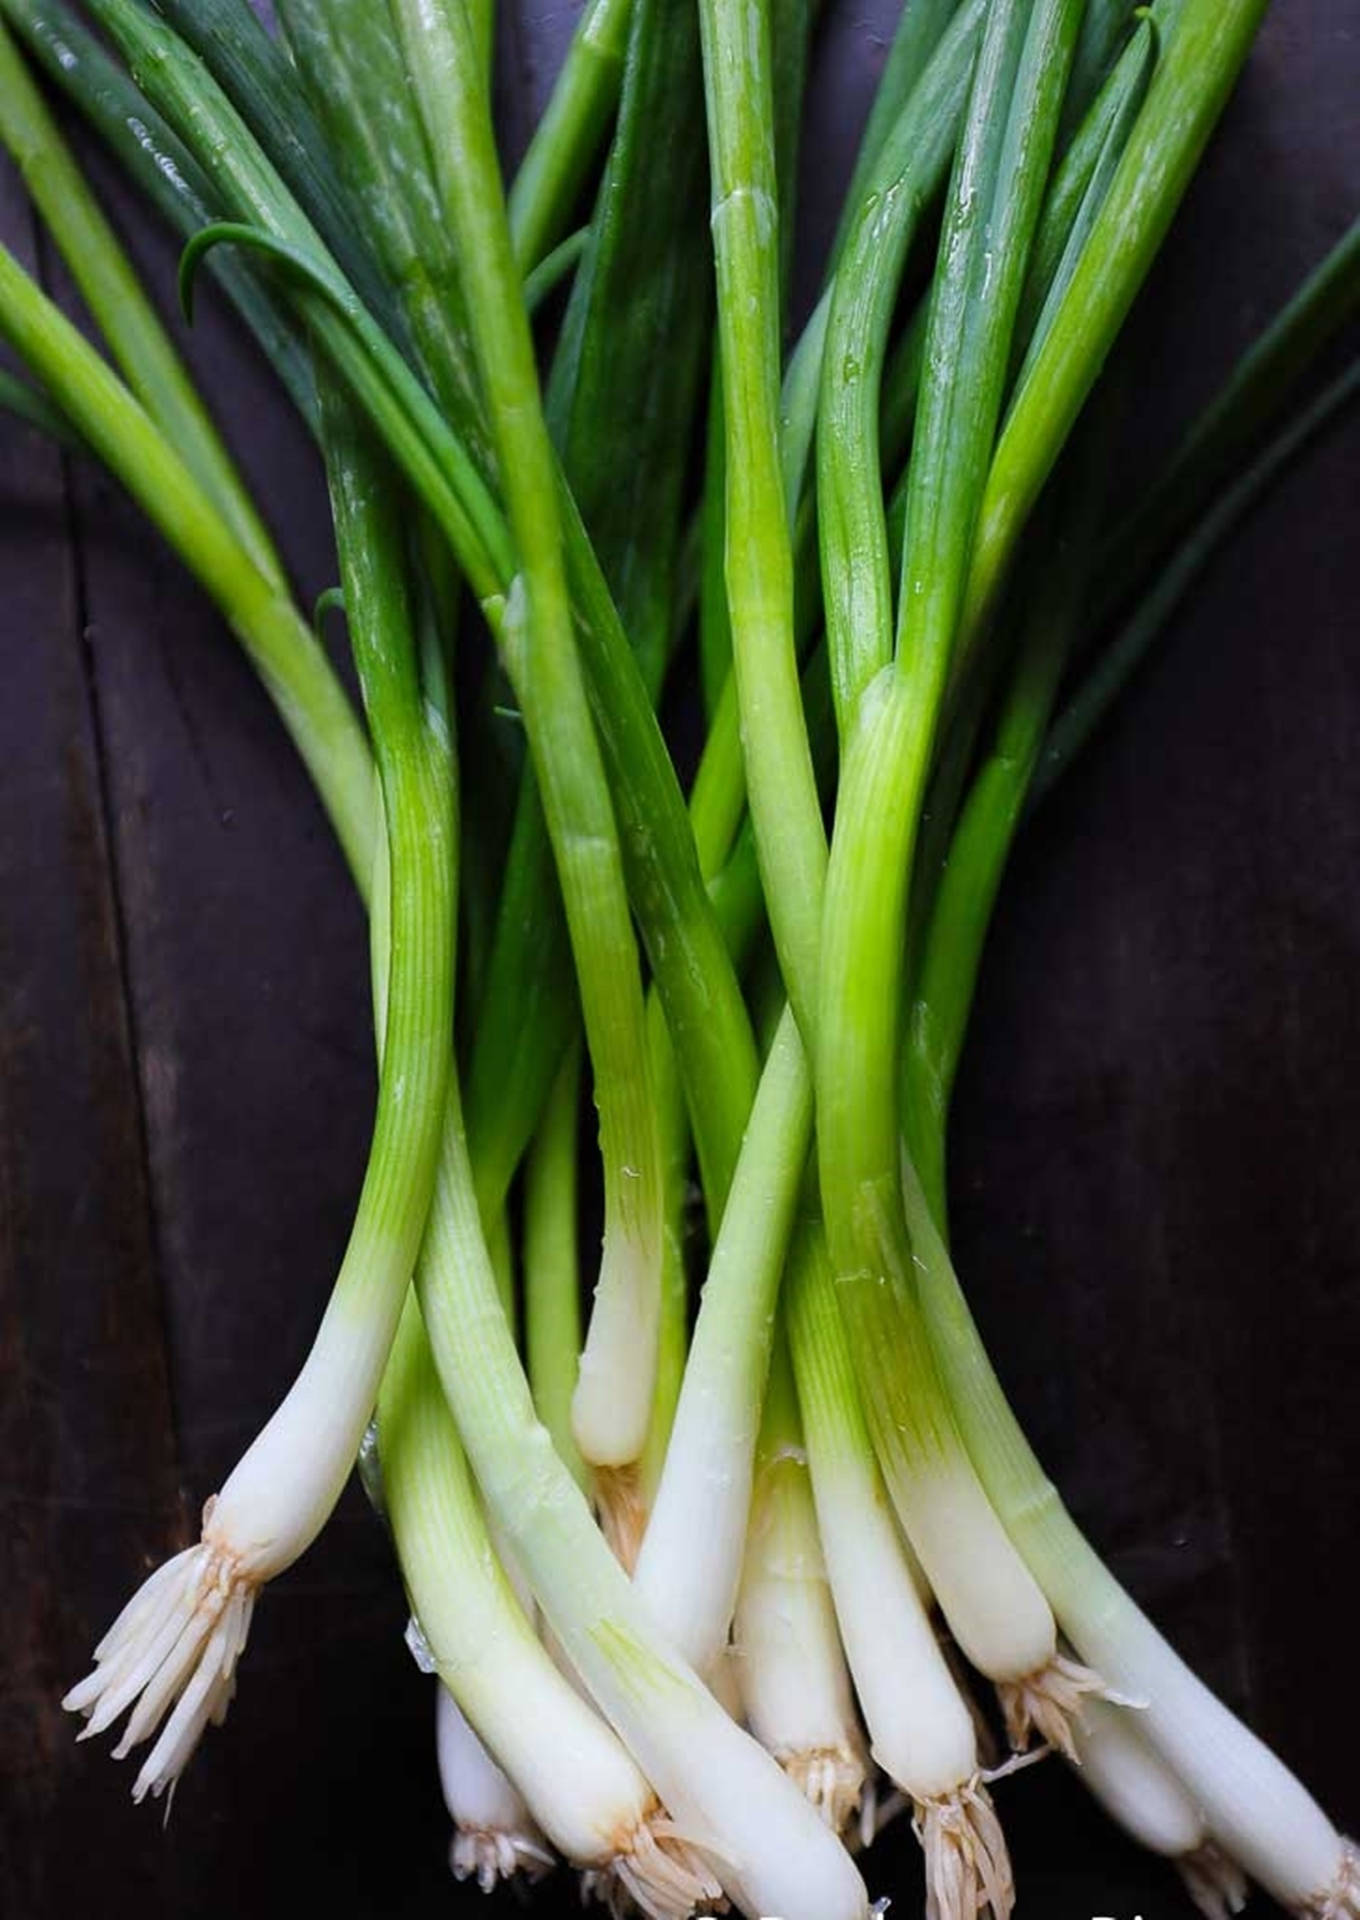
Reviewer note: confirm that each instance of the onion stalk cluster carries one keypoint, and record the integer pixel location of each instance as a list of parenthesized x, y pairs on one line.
[(721, 1571)]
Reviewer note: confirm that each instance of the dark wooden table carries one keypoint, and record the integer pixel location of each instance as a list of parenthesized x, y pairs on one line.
[(1155, 1159)]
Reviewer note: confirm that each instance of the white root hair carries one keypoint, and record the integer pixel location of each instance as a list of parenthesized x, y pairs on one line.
[(172, 1650), (968, 1868), (1045, 1703), (1216, 1884), (654, 1871), (831, 1779), (493, 1856), (621, 1509), (1341, 1901)]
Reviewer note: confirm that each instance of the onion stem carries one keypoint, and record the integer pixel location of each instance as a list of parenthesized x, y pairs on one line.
[(790, 1667), (174, 1649)]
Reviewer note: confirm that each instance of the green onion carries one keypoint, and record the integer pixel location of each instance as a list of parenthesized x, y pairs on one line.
[(552, 1308), (174, 1648), (255, 74), (991, 1601), (966, 890), (768, 1847), (690, 1564), (920, 27), (554, 168), (1138, 1791), (351, 69), (618, 1366), (1254, 1809), (921, 1731), (787, 1655), (494, 1836), (857, 584), (759, 562)]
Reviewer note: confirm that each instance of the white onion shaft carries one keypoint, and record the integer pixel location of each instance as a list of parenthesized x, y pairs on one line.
[(787, 1653), (690, 1564)]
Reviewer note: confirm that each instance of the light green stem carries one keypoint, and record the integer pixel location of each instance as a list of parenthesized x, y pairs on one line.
[(759, 558), (552, 1275), (568, 136), (611, 1407)]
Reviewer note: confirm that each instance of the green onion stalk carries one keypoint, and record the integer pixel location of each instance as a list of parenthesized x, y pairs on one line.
[(254, 71), (173, 1650), (856, 569), (349, 69), (890, 707), (447, 1558), (624, 383), (1115, 1763), (792, 23), (921, 1730), (611, 1406), (703, 1439), (495, 1837), (1252, 1808), (787, 1654), (1127, 1775), (568, 136), (690, 1565), (552, 1291), (758, 552)]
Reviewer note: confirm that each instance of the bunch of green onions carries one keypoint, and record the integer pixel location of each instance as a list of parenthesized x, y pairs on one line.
[(695, 1570)]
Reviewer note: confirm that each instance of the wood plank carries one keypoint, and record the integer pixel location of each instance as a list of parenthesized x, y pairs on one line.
[(89, 1488)]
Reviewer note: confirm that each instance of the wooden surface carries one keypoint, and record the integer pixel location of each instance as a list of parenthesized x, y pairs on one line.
[(1154, 1162)]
